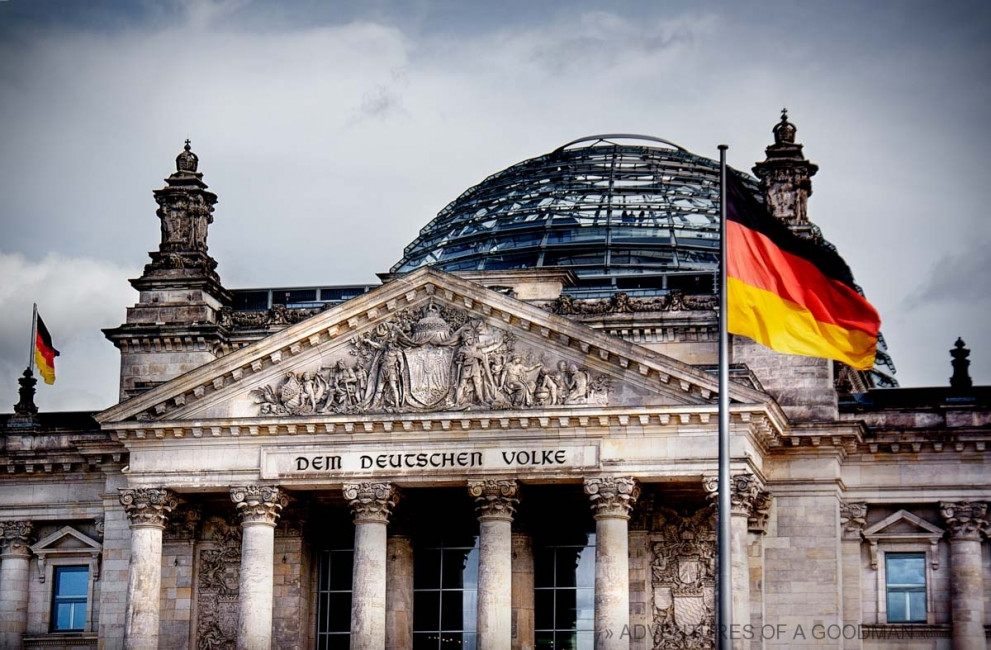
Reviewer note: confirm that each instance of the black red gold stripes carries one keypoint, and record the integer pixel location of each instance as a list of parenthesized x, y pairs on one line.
[(44, 352), (789, 293)]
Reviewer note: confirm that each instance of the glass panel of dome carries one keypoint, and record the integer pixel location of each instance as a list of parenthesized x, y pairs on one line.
[(553, 258), (510, 261)]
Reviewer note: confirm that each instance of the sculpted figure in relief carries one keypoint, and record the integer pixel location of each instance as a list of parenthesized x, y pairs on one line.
[(431, 359)]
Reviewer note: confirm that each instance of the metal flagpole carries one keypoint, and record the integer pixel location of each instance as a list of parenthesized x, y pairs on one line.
[(34, 336), (724, 581)]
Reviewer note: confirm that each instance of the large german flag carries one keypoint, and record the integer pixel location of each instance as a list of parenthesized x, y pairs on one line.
[(44, 352), (792, 294)]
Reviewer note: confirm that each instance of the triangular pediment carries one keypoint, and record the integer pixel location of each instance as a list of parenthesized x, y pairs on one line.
[(427, 342), (66, 540), (903, 525)]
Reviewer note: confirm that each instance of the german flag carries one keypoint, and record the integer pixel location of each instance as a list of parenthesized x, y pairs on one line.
[(44, 352), (792, 294)]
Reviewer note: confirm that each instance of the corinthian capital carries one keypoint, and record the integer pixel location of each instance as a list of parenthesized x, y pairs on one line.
[(853, 518), (965, 519), (612, 496), (15, 537), (259, 504), (745, 494), (148, 507), (371, 502), (494, 499)]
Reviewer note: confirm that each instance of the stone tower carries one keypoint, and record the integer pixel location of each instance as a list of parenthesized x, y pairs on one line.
[(786, 178), (174, 328)]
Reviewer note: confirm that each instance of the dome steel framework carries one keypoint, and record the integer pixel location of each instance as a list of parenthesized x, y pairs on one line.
[(624, 212)]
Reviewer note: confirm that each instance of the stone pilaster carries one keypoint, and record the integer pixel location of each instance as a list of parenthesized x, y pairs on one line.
[(15, 556), (612, 501), (399, 593), (147, 511), (748, 507), (495, 503), (259, 507), (371, 504), (853, 518), (967, 524), (523, 598)]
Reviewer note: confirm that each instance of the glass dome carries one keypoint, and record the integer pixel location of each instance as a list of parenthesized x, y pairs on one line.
[(624, 212)]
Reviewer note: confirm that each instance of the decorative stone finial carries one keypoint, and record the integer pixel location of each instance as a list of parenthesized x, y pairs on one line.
[(26, 406), (785, 178), (187, 161), (961, 378), (784, 131)]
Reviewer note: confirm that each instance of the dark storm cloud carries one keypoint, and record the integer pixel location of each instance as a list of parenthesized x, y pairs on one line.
[(326, 126)]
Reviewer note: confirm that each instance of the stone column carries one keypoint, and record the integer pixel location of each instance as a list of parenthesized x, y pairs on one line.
[(523, 598), (371, 504), (612, 500), (259, 507), (746, 492), (853, 518), (399, 593), (495, 503), (147, 510), (968, 524), (15, 556)]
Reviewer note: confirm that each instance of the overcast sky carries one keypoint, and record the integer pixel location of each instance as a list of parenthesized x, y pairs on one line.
[(332, 131)]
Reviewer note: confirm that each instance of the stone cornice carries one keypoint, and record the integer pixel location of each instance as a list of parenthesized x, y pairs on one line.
[(760, 422), (607, 352)]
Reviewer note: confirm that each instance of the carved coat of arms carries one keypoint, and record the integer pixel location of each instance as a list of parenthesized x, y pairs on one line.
[(430, 359)]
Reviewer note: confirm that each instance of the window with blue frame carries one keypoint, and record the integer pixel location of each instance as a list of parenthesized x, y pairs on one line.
[(71, 587)]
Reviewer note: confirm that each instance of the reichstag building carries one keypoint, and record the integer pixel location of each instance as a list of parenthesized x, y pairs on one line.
[(507, 444)]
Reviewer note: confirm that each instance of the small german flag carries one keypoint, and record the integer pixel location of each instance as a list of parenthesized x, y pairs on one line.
[(792, 294), (44, 352)]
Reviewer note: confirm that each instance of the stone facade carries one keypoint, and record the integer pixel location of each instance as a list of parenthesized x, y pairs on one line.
[(316, 479)]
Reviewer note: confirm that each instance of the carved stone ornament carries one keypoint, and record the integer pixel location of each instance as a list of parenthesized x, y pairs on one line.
[(853, 518), (757, 521), (183, 524), (148, 507), (278, 315), (432, 358), (371, 502), (259, 504), (219, 576), (494, 498), (683, 580), (612, 496), (621, 303), (745, 490), (966, 520), (16, 537)]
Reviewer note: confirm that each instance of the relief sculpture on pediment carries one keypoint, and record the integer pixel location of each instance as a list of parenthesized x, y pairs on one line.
[(432, 358)]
